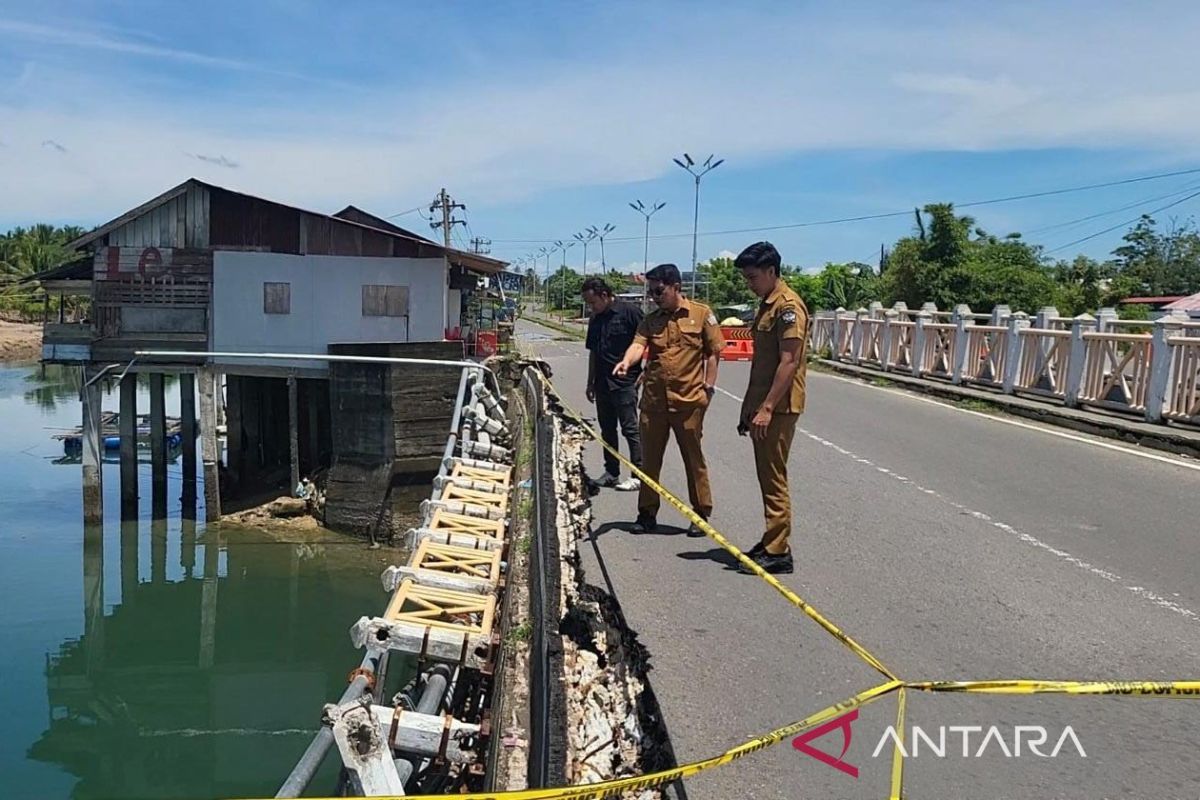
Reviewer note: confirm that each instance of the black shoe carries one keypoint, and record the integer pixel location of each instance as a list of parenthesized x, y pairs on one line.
[(644, 524), (694, 530), (774, 564), (758, 548)]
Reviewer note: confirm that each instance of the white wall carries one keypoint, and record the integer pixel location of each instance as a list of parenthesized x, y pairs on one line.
[(326, 302)]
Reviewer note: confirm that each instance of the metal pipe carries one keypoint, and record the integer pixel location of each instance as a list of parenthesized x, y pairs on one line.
[(454, 422), (437, 681), (317, 749), (434, 362)]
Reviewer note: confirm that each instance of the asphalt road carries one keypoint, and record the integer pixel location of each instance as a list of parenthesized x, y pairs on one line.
[(953, 545)]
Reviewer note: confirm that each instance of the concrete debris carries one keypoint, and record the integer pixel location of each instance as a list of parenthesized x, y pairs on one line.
[(607, 699)]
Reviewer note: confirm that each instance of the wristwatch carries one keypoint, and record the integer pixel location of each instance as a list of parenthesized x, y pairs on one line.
[(710, 390)]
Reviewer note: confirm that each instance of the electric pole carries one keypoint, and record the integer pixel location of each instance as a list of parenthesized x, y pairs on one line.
[(446, 205), (481, 246), (704, 169), (640, 207)]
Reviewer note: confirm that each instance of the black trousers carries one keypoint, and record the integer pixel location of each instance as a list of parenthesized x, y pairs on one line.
[(615, 407)]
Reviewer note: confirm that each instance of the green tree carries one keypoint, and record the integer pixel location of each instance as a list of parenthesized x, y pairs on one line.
[(564, 287)]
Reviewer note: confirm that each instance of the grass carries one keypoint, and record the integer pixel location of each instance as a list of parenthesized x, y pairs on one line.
[(524, 543), (881, 382), (525, 508), (971, 404), (518, 635)]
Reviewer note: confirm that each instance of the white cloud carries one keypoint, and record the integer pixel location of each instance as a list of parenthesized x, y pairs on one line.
[(990, 79)]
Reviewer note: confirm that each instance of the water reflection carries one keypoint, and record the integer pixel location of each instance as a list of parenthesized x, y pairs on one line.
[(207, 679)]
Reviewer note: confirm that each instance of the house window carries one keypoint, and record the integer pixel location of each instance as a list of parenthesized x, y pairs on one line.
[(384, 301), (277, 298)]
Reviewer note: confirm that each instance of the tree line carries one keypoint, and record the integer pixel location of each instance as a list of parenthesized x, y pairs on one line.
[(948, 259), (28, 251)]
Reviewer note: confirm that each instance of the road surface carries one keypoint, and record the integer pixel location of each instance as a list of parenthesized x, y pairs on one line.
[(953, 545)]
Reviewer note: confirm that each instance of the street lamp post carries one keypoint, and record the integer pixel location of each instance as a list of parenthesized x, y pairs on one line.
[(708, 166), (605, 231), (562, 283), (647, 213), (585, 237)]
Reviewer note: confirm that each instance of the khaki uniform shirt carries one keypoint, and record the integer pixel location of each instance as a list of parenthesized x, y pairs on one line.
[(781, 316), (677, 343)]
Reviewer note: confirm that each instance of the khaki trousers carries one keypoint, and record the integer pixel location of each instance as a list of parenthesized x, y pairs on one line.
[(687, 425), (770, 460)]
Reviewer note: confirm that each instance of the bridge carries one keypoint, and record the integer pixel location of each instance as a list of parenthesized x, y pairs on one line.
[(953, 544)]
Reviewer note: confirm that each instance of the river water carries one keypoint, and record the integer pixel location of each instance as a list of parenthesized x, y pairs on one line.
[(156, 658)]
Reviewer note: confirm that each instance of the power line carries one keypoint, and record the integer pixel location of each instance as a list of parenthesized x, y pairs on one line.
[(1089, 217), (1122, 224), (890, 214), (403, 213)]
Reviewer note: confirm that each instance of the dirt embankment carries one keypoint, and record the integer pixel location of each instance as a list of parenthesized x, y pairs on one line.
[(20, 341)]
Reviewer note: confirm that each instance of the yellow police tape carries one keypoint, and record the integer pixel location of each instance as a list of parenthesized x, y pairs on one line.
[(1140, 688)]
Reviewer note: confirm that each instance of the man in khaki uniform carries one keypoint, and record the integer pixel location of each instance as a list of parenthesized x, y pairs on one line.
[(774, 397), (682, 343)]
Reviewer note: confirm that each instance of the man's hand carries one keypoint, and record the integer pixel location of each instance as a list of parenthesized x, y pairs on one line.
[(758, 425), (621, 369), (591, 394)]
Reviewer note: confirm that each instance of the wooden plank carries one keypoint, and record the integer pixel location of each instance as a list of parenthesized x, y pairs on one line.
[(447, 520)]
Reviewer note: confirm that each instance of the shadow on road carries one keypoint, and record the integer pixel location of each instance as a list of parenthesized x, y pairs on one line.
[(717, 554)]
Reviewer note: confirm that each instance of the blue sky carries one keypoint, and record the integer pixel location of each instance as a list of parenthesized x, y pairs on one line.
[(548, 117)]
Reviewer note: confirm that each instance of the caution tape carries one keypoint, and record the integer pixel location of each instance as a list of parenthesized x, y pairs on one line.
[(716, 536), (1136, 688), (615, 788)]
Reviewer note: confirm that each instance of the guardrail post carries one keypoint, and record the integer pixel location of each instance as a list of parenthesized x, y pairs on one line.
[(962, 318), (876, 309), (856, 343), (1045, 318), (1012, 361), (1160, 367), (885, 357), (1105, 318), (1077, 359), (901, 309), (918, 345), (835, 344), (1000, 315), (931, 308)]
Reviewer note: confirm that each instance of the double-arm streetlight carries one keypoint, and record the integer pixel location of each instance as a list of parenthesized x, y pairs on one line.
[(600, 234), (697, 172), (563, 247), (585, 237), (641, 208)]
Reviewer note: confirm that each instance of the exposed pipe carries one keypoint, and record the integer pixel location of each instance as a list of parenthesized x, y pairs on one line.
[(437, 680), (317, 749)]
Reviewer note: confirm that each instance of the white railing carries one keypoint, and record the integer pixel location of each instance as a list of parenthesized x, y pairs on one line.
[(1105, 363), (1116, 370), (987, 355), (1182, 397)]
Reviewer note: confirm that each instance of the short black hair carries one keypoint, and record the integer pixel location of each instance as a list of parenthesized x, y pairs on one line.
[(762, 255), (596, 285), (665, 273)]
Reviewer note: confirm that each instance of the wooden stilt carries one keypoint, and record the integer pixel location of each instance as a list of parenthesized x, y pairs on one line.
[(128, 431), (158, 446), (293, 430), (313, 396), (187, 413), (129, 559), (93, 496), (208, 435)]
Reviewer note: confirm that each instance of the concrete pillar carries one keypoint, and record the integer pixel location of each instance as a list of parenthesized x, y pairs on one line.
[(208, 434), (918, 345), (961, 311), (835, 349), (93, 494), (158, 446), (128, 430), (1045, 318), (1012, 360), (208, 596), (856, 339), (1160, 367), (889, 320), (1104, 319), (1000, 315), (1077, 358), (93, 594), (931, 308), (293, 431), (901, 309), (876, 309), (962, 335)]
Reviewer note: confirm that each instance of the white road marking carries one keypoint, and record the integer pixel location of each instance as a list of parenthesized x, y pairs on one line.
[(1141, 591), (1177, 462)]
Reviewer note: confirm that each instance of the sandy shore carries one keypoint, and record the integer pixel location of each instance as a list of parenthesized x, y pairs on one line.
[(20, 341)]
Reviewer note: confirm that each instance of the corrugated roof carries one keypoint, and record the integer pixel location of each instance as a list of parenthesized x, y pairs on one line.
[(1189, 303), (472, 261)]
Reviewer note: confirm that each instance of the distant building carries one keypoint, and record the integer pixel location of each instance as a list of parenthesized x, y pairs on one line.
[(1157, 306), (1189, 305)]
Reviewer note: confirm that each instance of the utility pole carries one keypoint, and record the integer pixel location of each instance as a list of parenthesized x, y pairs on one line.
[(446, 205), (600, 234), (481, 246)]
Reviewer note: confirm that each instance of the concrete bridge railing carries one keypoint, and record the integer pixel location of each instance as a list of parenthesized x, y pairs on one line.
[(1148, 369)]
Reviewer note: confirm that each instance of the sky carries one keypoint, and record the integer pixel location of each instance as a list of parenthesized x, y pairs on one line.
[(548, 117)]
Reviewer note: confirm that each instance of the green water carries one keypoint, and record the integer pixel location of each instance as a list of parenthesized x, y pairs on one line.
[(156, 658)]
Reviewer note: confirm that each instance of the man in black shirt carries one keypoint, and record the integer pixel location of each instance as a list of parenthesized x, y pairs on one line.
[(610, 332)]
